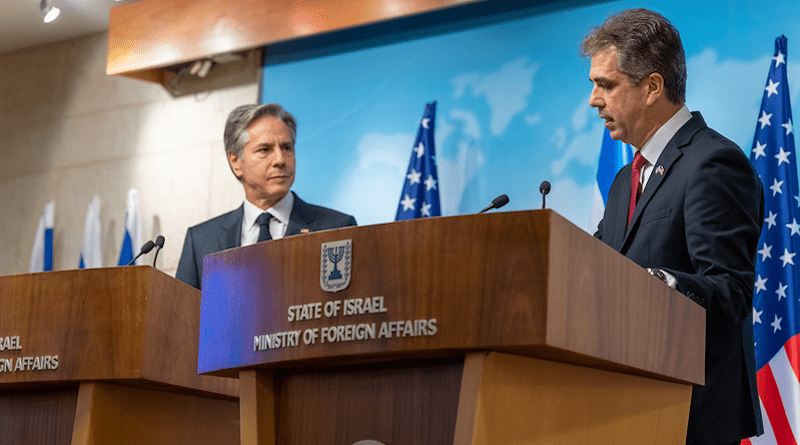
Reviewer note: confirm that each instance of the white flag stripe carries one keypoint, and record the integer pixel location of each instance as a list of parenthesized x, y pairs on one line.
[(788, 387), (768, 437), (91, 254), (38, 252), (597, 210), (49, 214), (132, 223)]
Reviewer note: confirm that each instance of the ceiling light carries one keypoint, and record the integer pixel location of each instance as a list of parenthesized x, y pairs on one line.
[(50, 12)]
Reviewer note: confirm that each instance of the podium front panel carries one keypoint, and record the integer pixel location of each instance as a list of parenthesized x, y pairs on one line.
[(527, 283)]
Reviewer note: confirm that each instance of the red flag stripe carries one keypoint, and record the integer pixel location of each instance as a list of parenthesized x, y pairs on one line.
[(773, 405), (793, 354), (768, 438)]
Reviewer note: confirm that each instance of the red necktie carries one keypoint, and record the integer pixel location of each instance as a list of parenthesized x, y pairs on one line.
[(636, 171)]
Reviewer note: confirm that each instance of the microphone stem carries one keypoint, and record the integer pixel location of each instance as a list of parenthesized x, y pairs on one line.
[(134, 259), (155, 256)]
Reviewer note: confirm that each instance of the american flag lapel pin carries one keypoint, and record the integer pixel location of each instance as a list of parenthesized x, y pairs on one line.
[(660, 170)]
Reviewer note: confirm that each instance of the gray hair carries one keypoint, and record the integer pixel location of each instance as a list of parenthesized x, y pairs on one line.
[(646, 43), (241, 117)]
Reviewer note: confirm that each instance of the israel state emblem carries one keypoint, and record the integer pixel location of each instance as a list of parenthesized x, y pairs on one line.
[(334, 270)]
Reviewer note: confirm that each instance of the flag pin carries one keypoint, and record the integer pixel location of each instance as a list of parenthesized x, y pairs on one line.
[(660, 170)]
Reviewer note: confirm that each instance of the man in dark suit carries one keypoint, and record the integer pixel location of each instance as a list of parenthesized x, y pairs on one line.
[(259, 144), (689, 208)]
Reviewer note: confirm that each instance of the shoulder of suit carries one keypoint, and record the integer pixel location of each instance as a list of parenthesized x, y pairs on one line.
[(320, 212), (217, 221), (708, 142), (325, 211)]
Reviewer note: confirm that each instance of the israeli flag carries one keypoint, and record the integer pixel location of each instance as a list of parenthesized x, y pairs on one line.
[(613, 156), (133, 231), (42, 254), (91, 254)]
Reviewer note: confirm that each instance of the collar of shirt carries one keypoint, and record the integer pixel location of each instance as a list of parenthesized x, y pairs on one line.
[(280, 212), (655, 145)]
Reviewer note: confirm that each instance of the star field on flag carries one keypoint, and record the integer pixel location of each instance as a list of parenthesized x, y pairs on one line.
[(420, 195), (776, 297)]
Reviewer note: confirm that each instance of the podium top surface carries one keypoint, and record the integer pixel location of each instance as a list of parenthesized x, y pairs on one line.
[(132, 324), (528, 283)]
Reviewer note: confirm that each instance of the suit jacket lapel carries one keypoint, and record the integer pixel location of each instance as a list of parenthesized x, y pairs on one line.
[(667, 159), (231, 234), (301, 217), (621, 212), (660, 171)]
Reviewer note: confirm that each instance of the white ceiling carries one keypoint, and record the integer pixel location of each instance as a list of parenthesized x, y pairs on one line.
[(21, 24)]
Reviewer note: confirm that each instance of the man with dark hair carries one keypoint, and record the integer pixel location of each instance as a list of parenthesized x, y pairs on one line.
[(259, 143), (689, 208)]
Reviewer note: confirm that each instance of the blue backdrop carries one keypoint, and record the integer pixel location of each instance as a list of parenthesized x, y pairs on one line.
[(512, 104)]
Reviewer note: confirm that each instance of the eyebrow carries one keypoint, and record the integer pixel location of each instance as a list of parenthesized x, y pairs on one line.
[(601, 79)]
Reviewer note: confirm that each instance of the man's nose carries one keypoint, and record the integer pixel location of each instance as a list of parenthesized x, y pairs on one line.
[(595, 100), (278, 157)]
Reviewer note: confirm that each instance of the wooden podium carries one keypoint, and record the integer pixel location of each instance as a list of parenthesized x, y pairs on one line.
[(505, 328), (107, 356)]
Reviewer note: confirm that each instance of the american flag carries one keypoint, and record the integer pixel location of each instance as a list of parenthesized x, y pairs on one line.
[(420, 196), (775, 299)]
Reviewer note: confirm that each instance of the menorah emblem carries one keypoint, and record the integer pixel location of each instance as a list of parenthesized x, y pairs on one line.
[(335, 254), (334, 274)]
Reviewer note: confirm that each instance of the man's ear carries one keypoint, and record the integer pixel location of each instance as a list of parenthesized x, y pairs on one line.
[(236, 165), (655, 87)]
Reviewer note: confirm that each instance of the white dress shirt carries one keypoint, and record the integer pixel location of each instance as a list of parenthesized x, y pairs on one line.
[(277, 224), (655, 145)]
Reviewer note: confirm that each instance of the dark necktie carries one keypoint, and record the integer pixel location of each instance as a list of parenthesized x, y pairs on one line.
[(636, 186), (263, 223)]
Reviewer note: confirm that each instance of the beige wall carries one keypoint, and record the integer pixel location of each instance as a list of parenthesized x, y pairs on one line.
[(69, 132)]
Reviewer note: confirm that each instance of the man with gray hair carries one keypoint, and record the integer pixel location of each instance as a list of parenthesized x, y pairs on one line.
[(689, 208), (259, 143)]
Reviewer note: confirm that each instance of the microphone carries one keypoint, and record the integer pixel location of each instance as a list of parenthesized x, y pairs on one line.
[(159, 244), (148, 246), (498, 202), (544, 189)]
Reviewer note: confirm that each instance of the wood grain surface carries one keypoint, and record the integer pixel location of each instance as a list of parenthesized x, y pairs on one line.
[(528, 283), (523, 400), (38, 416), (134, 324), (151, 34), (406, 403), (258, 407), (110, 413)]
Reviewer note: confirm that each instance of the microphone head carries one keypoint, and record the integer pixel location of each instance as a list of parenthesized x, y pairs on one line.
[(500, 201), (148, 246), (544, 188), (160, 241)]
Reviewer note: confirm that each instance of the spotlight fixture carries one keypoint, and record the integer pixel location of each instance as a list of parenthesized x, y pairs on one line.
[(195, 67), (49, 11), (205, 68), (200, 68)]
